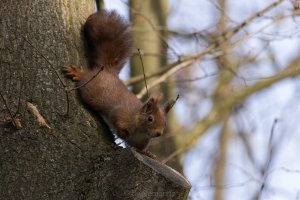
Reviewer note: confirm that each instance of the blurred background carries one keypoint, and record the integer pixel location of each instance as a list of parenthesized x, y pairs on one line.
[(234, 132)]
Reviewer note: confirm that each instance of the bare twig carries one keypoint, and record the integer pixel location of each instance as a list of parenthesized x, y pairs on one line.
[(16, 124), (17, 121), (51, 66), (101, 69), (197, 78), (224, 37), (161, 37), (40, 119), (270, 158), (164, 77), (143, 71), (230, 33), (68, 105), (218, 112), (20, 92), (287, 170), (226, 186), (245, 140)]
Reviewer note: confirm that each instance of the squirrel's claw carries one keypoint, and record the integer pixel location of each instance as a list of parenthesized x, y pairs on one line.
[(72, 72)]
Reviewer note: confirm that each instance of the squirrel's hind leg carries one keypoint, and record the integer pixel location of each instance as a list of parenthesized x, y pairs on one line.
[(72, 73)]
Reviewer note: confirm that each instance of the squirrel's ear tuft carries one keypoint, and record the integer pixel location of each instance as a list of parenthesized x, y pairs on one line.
[(151, 104), (148, 105), (169, 105)]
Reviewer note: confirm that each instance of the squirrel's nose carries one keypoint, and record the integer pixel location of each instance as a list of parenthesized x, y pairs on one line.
[(158, 133)]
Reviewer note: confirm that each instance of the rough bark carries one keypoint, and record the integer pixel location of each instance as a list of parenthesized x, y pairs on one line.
[(73, 159)]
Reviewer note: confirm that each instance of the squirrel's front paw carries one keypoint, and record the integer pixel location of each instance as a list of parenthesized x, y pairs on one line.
[(149, 154), (72, 72)]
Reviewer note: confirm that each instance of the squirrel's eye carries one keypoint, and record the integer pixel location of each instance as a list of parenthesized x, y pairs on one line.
[(150, 118)]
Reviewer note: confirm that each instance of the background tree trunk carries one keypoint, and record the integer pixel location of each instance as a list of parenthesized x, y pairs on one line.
[(73, 159)]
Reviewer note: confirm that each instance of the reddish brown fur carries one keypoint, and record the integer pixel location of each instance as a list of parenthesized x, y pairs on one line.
[(110, 43), (109, 40)]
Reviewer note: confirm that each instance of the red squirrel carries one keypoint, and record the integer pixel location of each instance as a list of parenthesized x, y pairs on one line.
[(110, 42)]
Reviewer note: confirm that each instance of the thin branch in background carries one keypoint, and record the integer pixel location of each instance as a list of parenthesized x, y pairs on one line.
[(171, 156), (197, 56), (245, 172), (270, 158), (164, 77), (271, 142), (143, 71), (226, 186), (218, 7), (161, 37), (228, 34), (149, 54), (197, 78), (217, 113), (245, 140), (202, 34), (296, 171)]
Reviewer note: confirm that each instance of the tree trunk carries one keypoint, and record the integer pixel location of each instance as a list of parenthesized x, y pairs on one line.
[(74, 158)]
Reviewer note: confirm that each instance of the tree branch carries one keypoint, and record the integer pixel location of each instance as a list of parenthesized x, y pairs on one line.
[(188, 140), (224, 37)]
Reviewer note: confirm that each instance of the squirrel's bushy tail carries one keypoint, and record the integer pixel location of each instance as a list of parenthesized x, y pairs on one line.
[(109, 40)]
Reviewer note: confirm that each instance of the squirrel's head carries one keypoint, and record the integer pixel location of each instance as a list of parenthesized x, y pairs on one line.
[(153, 116)]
